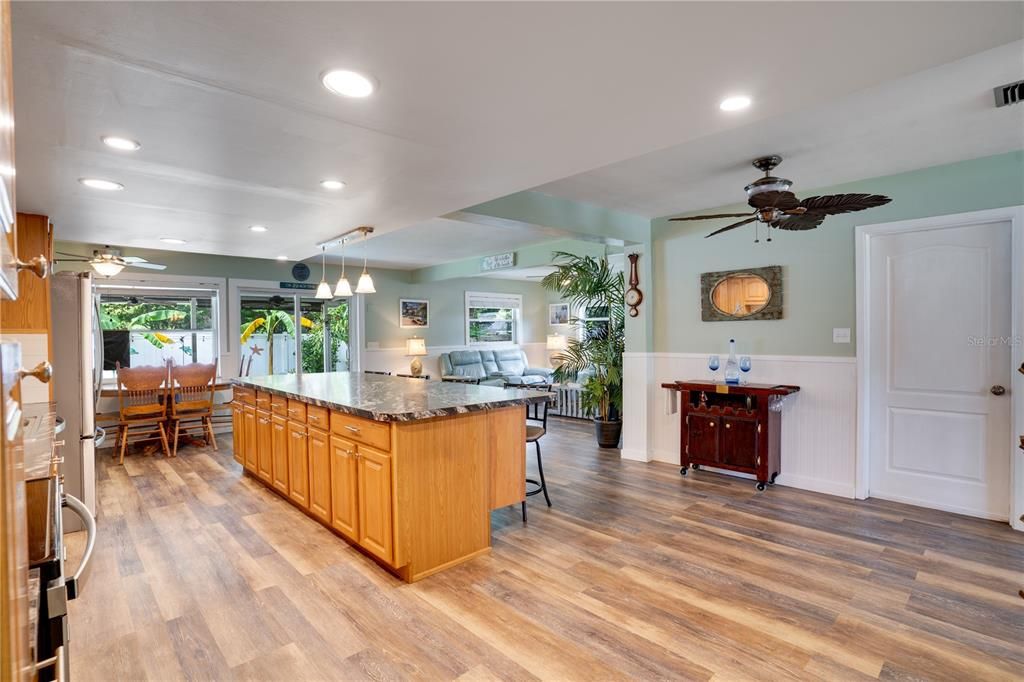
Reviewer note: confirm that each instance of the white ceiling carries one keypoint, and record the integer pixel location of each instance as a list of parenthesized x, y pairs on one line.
[(936, 116), (476, 101)]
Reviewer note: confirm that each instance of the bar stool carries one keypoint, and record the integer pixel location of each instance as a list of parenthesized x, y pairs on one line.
[(536, 427)]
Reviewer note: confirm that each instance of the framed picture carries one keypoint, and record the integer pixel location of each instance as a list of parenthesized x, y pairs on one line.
[(413, 313), (558, 314)]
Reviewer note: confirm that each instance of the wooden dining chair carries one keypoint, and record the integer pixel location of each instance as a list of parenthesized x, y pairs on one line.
[(142, 405), (192, 389)]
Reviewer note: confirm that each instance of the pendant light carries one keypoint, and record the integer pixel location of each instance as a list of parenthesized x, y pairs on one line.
[(365, 284), (323, 291), (343, 288)]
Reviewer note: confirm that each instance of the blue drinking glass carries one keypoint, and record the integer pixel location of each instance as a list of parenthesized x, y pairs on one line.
[(713, 364), (745, 366)]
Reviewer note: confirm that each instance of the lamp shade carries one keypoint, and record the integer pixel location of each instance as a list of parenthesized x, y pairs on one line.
[(343, 288), (324, 290), (365, 284), (107, 268), (556, 342), (415, 346)]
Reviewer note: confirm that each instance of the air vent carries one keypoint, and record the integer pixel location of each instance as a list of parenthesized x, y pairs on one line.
[(1013, 93)]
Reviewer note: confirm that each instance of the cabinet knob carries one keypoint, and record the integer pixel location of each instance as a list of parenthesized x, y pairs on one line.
[(711, 423), (728, 426), (43, 372), (38, 266)]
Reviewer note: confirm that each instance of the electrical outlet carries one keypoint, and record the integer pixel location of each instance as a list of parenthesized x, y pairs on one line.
[(840, 335)]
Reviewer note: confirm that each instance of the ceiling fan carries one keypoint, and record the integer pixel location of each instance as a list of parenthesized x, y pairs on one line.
[(775, 206), (109, 262)]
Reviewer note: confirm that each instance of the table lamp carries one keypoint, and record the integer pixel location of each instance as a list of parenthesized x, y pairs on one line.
[(414, 348), (556, 343)]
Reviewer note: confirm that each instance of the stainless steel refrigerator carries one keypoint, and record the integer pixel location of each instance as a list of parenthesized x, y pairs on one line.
[(77, 374)]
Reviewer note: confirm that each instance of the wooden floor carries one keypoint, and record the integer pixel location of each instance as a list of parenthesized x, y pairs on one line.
[(636, 572)]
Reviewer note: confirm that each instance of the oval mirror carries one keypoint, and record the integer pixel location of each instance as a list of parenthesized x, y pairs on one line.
[(741, 295)]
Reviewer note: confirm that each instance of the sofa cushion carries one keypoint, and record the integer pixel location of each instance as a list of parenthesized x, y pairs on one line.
[(511, 360), (466, 363), (526, 380), (489, 363)]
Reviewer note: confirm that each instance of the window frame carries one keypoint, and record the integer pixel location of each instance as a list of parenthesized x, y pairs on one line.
[(516, 306)]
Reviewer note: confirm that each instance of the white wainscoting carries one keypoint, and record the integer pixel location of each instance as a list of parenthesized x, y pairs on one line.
[(819, 424), (394, 360)]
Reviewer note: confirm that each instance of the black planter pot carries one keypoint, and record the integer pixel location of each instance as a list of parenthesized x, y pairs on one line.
[(608, 432)]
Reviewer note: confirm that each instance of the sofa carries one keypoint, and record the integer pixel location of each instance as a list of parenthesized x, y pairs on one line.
[(500, 367)]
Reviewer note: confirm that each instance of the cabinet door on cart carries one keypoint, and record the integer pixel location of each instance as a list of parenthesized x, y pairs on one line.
[(737, 442), (702, 440)]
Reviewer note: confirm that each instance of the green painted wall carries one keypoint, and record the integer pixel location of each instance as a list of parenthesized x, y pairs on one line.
[(447, 308), (584, 219), (818, 266), (447, 297), (528, 256)]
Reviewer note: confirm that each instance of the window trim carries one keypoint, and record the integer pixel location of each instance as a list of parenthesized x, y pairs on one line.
[(517, 314)]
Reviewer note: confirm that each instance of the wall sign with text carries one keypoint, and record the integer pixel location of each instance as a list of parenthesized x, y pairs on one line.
[(498, 262)]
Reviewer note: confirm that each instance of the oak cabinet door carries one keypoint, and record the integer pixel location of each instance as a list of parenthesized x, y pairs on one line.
[(374, 475), (249, 443), (344, 489), (237, 432), (319, 475), (298, 464), (279, 453), (264, 445)]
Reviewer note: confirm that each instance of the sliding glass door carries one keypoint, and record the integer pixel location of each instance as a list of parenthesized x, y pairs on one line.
[(292, 333)]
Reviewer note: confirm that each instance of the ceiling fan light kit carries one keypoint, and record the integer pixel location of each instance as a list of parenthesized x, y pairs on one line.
[(775, 206)]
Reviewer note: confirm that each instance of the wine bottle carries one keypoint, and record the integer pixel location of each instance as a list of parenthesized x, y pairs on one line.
[(732, 366)]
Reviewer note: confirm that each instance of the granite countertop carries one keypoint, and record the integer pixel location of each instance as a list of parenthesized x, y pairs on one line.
[(389, 398)]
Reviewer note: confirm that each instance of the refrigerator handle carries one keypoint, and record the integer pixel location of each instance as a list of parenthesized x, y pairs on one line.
[(74, 584)]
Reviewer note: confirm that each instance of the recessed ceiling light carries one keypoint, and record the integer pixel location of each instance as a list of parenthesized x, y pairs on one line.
[(258, 228), (332, 185), (347, 83), (172, 240), (122, 143), (737, 103), (282, 258), (97, 183)]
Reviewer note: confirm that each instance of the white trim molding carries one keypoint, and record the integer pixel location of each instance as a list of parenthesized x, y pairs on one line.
[(818, 423), (863, 236)]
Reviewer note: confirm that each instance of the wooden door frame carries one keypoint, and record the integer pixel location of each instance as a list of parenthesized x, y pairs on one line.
[(863, 234)]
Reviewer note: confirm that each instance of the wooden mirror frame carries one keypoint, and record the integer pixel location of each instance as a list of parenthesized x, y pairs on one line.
[(771, 274)]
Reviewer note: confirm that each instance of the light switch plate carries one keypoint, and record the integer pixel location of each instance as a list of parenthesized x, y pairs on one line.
[(840, 335)]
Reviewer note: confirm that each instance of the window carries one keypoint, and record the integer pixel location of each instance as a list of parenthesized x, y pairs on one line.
[(492, 318), (150, 327)]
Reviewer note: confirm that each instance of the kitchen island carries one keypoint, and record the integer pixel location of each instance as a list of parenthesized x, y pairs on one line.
[(406, 470)]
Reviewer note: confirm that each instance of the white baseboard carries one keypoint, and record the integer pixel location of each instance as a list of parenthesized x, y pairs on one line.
[(634, 455)]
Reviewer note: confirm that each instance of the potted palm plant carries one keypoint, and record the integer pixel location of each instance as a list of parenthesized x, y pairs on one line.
[(594, 356)]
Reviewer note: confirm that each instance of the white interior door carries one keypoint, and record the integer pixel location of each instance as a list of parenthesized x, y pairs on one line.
[(939, 351)]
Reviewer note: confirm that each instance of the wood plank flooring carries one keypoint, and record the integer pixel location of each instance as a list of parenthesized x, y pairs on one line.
[(201, 573)]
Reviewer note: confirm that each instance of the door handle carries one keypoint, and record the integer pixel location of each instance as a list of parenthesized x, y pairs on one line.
[(43, 372), (81, 511), (998, 390)]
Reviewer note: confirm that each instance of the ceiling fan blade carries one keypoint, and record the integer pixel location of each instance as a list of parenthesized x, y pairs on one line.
[(147, 266), (833, 204), (799, 210), (74, 255), (730, 227), (783, 201), (714, 215), (72, 260), (806, 221), (133, 259)]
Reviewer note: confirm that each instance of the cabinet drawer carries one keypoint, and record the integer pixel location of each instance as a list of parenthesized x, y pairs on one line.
[(279, 405), (296, 410), (365, 431), (263, 400), (246, 396), (318, 416)]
